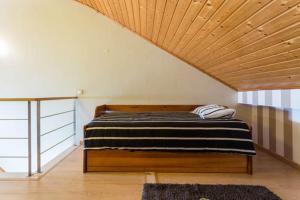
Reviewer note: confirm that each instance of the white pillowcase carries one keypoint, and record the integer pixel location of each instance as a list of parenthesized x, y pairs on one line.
[(214, 111), (226, 113), (201, 109)]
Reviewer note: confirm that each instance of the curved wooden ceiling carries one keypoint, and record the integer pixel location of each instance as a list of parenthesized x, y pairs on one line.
[(246, 44)]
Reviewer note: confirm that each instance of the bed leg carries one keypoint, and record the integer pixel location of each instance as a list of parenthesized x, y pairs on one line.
[(249, 165), (84, 161)]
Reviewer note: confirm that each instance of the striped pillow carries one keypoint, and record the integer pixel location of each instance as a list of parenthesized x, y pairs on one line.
[(214, 112), (202, 109), (219, 113)]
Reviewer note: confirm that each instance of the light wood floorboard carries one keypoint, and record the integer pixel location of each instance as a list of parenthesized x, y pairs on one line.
[(66, 181)]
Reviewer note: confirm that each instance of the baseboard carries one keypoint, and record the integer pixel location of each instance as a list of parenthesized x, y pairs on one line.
[(279, 157)]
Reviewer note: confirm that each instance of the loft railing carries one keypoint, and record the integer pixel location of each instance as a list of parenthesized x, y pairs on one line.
[(35, 131)]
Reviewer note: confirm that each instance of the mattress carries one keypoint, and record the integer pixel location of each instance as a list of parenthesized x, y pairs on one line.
[(168, 131)]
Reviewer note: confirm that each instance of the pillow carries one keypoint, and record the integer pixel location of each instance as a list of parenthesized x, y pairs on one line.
[(202, 109), (219, 113), (214, 111)]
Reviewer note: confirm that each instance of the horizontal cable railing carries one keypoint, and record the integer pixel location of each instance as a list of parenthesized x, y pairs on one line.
[(46, 133), (43, 134), (46, 145), (58, 114), (11, 148), (60, 142)]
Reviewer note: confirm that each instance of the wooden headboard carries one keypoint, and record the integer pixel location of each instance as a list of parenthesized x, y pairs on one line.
[(142, 108)]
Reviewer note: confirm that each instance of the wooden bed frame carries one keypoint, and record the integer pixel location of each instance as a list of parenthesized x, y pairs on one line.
[(128, 161)]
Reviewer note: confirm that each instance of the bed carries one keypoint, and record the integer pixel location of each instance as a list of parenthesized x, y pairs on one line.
[(165, 138)]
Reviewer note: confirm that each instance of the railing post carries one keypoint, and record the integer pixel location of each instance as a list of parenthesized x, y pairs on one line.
[(38, 138), (29, 138), (74, 124)]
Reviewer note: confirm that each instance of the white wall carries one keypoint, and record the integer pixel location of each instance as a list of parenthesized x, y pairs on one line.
[(59, 46)]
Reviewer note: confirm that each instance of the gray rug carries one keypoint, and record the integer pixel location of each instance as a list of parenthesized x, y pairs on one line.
[(206, 192)]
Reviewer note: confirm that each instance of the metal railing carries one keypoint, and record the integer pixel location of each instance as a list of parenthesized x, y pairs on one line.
[(39, 134), (28, 138)]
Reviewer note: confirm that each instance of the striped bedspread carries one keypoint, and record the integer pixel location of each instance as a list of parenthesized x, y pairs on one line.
[(168, 131)]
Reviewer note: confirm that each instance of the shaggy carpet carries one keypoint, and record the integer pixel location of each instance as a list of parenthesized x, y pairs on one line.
[(206, 192)]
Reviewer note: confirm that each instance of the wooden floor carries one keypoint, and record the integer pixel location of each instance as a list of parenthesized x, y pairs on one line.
[(66, 181)]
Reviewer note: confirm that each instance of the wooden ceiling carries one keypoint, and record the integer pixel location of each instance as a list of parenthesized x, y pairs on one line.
[(246, 44)]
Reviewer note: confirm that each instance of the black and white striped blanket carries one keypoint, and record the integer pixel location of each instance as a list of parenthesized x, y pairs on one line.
[(168, 131)]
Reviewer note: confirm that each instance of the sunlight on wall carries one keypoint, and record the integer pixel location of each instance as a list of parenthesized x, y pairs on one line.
[(249, 97), (296, 116), (4, 48), (275, 98), (261, 97), (295, 98)]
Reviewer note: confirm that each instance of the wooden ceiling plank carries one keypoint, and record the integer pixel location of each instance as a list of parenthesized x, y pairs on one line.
[(278, 87), (279, 84), (272, 60), (143, 17), (217, 19), (287, 71), (210, 23), (92, 4), (287, 33), (168, 15), (129, 7), (213, 41), (124, 13), (243, 13), (88, 3), (119, 12), (204, 16), (116, 10), (190, 16), (282, 85), (99, 6), (264, 83), (274, 26), (151, 6), (136, 14), (179, 13), (113, 10), (272, 81), (262, 18), (292, 63), (108, 9), (159, 13), (273, 50), (105, 12)]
